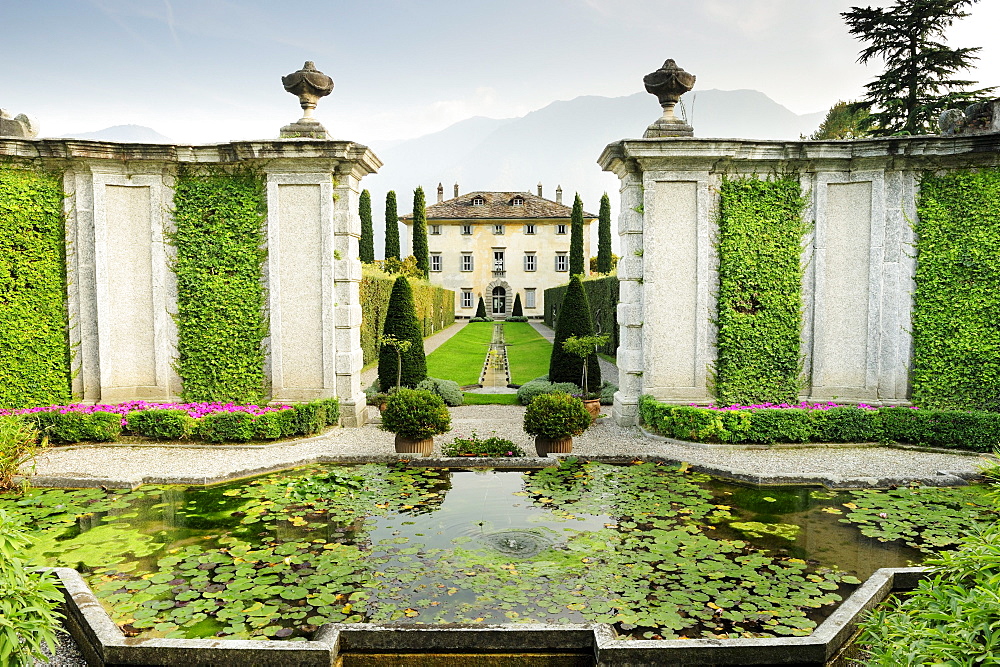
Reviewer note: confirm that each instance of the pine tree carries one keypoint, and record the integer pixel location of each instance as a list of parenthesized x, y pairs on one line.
[(516, 310), (420, 232), (391, 226), (576, 266), (366, 246), (401, 324), (918, 82), (604, 236), (574, 320), (481, 309)]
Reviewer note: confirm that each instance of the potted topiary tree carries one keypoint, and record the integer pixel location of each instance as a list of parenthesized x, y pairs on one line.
[(415, 416), (584, 347), (554, 419)]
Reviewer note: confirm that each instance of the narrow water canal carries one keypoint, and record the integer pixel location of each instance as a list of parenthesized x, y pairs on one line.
[(496, 373)]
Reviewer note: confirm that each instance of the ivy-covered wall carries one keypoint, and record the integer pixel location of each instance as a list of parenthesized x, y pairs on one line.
[(956, 312), (602, 294), (435, 307), (221, 320), (34, 343), (760, 290)]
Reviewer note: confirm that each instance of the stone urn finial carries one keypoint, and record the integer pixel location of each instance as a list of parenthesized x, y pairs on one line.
[(668, 84), (309, 84)]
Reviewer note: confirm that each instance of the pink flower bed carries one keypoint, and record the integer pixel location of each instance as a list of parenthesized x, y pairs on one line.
[(797, 406), (194, 409)]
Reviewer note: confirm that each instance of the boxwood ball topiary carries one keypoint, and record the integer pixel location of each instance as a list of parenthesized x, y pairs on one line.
[(401, 322), (415, 414), (574, 320), (556, 416)]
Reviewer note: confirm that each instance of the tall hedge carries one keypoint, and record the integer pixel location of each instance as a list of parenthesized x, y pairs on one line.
[(435, 307), (420, 250), (401, 322), (576, 259), (604, 236), (366, 245), (760, 290), (391, 226), (602, 295), (574, 321), (956, 312), (34, 343), (221, 322)]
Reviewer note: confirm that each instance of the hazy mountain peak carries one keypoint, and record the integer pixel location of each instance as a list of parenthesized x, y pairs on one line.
[(134, 134)]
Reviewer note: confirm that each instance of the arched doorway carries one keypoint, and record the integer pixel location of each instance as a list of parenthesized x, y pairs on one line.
[(499, 300)]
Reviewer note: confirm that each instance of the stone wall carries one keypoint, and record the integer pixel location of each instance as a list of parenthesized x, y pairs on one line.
[(121, 291), (859, 258)]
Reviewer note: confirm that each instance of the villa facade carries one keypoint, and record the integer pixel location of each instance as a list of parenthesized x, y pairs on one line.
[(496, 245)]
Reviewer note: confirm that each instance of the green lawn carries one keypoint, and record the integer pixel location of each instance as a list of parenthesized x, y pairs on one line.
[(489, 399), (461, 357), (528, 352)]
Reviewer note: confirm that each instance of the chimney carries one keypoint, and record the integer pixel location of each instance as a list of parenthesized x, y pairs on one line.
[(456, 189), (539, 188), (558, 194), (440, 193)]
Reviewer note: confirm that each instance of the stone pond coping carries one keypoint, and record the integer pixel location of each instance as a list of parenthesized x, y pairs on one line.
[(103, 643), (830, 481)]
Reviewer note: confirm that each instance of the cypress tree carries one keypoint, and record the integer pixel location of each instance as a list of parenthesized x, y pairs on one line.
[(366, 246), (516, 310), (576, 266), (391, 226), (402, 324), (604, 236), (481, 308), (574, 320), (420, 232)]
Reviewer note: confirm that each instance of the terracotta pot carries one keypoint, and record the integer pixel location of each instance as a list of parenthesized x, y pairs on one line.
[(420, 447), (544, 446), (593, 406)]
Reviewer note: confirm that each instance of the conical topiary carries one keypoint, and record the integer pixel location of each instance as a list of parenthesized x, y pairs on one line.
[(516, 310), (481, 308), (574, 320), (402, 325)]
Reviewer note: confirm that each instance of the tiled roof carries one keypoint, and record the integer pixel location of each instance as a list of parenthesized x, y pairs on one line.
[(497, 206)]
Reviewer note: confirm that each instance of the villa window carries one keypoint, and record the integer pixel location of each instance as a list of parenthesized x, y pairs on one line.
[(529, 297), (466, 261), (529, 229), (435, 230), (466, 298), (530, 261), (561, 263), (498, 229), (518, 201), (478, 201), (436, 261), (466, 230), (561, 229)]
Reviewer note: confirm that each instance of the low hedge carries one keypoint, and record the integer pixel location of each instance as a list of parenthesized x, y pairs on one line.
[(976, 431), (173, 424)]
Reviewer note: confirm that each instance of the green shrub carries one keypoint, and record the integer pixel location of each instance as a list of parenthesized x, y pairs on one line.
[(481, 319), (778, 425), (227, 427), (574, 321), (332, 407), (608, 393), (475, 446), (34, 353), (310, 418), (556, 416), (70, 427), (529, 390), (161, 424), (401, 324), (18, 446), (446, 389), (29, 600), (517, 318), (268, 426), (978, 431), (686, 422), (847, 424), (415, 414)]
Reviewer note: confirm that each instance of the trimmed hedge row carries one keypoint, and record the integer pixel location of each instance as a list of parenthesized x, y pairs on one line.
[(34, 353), (169, 424), (602, 295), (435, 307), (977, 431)]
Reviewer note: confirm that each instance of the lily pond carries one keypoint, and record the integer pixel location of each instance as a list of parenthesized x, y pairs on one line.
[(658, 552)]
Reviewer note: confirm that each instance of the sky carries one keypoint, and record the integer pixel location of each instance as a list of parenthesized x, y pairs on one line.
[(209, 70)]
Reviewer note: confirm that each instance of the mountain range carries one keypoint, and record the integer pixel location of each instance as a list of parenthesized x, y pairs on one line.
[(555, 145)]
